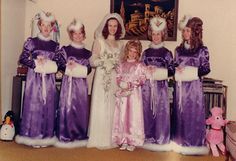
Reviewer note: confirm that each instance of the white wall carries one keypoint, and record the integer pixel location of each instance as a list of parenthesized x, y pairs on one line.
[(12, 36), (219, 33)]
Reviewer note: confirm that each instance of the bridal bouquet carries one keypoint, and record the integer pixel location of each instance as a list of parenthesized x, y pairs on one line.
[(110, 60)]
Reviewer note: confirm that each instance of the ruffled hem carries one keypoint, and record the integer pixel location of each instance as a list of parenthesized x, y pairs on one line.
[(157, 147), (30, 141), (72, 144), (190, 150)]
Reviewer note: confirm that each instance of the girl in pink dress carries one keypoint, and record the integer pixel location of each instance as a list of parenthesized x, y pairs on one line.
[(128, 126)]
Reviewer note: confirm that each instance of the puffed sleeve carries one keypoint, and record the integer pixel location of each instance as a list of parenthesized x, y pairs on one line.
[(60, 58), (143, 75), (25, 57), (95, 58), (170, 64), (87, 63), (204, 67)]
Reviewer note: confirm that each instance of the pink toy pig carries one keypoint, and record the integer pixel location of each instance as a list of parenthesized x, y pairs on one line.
[(215, 136)]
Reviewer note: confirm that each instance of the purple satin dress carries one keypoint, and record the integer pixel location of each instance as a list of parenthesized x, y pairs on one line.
[(188, 124), (73, 114), (156, 107), (38, 118)]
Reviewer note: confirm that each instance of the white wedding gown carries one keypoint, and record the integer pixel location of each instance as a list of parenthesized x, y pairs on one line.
[(103, 99)]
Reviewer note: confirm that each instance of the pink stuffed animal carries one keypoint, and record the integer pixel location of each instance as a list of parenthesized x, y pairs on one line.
[(215, 136)]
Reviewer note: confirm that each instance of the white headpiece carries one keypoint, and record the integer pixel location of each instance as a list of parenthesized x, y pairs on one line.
[(47, 16), (183, 22), (157, 24), (98, 32), (75, 25)]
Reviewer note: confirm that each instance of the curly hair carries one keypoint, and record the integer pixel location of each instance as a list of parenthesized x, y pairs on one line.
[(105, 31), (136, 44), (196, 32)]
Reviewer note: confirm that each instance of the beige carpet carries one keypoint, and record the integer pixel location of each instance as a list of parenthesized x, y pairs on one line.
[(10, 151)]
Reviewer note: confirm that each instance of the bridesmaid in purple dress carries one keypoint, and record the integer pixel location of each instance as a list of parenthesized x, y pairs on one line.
[(192, 62), (39, 106), (156, 107), (72, 125)]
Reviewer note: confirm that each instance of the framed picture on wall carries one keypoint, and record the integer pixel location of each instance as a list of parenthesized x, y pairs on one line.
[(137, 13)]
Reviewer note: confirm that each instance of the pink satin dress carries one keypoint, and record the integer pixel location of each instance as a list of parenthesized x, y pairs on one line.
[(128, 124)]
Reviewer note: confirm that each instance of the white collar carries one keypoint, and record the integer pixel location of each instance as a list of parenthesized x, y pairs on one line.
[(78, 46), (131, 60), (41, 37), (154, 46), (186, 45)]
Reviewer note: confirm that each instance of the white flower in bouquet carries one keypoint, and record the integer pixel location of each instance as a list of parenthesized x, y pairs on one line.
[(110, 60)]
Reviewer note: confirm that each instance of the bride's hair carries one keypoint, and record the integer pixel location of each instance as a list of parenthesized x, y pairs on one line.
[(105, 31)]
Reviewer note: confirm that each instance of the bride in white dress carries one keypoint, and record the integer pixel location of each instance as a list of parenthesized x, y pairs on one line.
[(107, 50)]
